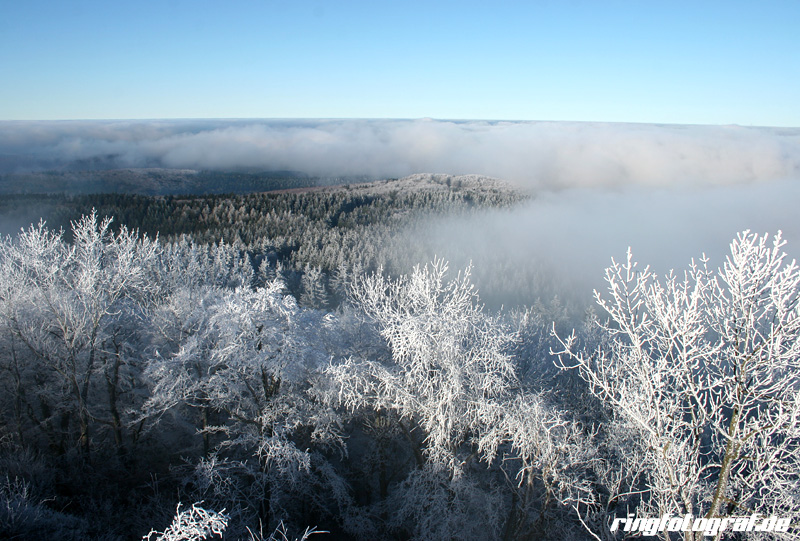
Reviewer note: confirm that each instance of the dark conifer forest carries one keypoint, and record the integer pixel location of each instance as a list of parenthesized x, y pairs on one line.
[(309, 362)]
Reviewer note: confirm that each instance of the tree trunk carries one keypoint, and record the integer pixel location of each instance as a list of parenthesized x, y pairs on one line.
[(206, 436), (112, 381)]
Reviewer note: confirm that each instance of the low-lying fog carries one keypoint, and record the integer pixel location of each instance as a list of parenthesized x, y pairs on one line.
[(560, 242), (670, 192), (536, 154)]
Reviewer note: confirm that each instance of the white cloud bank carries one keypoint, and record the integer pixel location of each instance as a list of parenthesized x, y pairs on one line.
[(550, 155), (560, 242), (669, 192)]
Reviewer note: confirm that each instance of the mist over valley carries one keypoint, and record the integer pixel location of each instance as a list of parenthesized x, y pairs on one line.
[(590, 190)]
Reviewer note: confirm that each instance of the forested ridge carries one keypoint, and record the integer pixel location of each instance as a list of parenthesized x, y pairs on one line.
[(278, 361), (327, 233)]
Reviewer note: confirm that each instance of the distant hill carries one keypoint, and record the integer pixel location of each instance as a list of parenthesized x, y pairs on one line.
[(171, 202), (153, 181), (423, 182)]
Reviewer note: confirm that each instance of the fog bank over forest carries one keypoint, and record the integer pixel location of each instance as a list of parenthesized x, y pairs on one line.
[(671, 192), (553, 155), (567, 238)]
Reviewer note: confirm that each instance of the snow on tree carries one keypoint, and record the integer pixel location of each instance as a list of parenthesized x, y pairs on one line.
[(548, 455), (193, 524), (702, 377), (188, 264), (450, 386), (67, 308), (314, 294), (449, 359), (238, 364), (237, 352)]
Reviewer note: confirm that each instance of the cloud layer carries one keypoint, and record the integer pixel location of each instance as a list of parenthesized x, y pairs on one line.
[(561, 242), (552, 155), (669, 192)]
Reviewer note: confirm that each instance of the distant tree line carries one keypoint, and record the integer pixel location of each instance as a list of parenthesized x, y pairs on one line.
[(151, 181), (314, 239)]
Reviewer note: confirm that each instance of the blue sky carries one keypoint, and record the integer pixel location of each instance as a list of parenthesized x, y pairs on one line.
[(667, 62)]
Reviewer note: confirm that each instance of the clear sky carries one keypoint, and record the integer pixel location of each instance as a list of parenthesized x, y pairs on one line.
[(691, 62)]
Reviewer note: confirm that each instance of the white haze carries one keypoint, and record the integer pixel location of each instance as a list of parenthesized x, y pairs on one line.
[(669, 192), (553, 155), (561, 242)]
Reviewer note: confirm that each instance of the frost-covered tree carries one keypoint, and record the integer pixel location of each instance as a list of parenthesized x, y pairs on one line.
[(701, 374), (546, 456), (314, 294), (195, 280), (448, 359), (186, 264), (68, 311), (448, 385), (192, 524), (237, 365)]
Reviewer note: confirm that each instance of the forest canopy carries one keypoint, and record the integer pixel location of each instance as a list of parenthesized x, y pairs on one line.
[(257, 365)]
